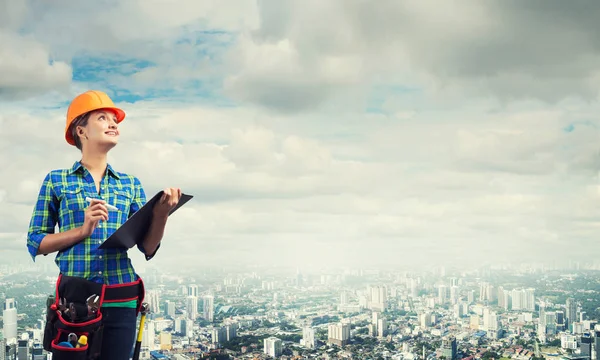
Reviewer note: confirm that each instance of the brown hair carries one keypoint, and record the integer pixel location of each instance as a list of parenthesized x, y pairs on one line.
[(81, 120)]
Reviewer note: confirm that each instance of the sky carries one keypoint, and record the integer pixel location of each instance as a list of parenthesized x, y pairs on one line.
[(310, 132)]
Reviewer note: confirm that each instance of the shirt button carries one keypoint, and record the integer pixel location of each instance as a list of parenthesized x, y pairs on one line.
[(100, 256), (100, 272)]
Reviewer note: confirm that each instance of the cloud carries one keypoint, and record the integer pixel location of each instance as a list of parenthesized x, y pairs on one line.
[(268, 186), (26, 67), (322, 133), (541, 51)]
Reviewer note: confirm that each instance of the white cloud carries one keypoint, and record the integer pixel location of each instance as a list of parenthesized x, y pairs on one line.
[(26, 69)]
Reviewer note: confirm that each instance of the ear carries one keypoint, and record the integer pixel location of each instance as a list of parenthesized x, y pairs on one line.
[(81, 132)]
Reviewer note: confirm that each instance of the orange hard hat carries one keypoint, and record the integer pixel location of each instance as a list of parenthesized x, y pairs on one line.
[(86, 102)]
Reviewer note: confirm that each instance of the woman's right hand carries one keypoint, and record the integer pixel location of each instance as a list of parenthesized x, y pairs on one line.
[(93, 214)]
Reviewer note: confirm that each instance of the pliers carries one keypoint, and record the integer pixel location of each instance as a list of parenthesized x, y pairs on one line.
[(93, 303)]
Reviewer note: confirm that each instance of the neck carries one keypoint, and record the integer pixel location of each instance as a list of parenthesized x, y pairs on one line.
[(94, 161)]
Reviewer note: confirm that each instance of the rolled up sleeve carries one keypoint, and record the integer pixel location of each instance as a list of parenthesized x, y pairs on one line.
[(44, 217), (139, 200)]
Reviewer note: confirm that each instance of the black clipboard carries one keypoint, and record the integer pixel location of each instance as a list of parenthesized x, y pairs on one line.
[(135, 228)]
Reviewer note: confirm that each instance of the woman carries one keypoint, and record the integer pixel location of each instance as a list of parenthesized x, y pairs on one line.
[(93, 127)]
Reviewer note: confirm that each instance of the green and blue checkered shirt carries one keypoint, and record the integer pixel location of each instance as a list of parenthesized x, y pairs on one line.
[(61, 202)]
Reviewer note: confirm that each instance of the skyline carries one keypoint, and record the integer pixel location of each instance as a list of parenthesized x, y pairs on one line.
[(315, 133)]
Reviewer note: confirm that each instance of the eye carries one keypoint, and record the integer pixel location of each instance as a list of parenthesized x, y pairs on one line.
[(102, 117)]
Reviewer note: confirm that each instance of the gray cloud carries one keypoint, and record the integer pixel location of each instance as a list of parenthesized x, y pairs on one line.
[(540, 50)]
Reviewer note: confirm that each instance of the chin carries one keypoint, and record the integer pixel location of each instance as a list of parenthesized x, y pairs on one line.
[(110, 143)]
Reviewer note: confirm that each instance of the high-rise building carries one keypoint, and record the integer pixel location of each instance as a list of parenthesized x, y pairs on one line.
[(449, 349), (23, 348), (501, 298), (378, 298), (586, 345), (454, 295), (37, 352), (219, 335), (209, 308), (338, 334), (597, 345), (187, 327), (153, 301), (149, 335), (2, 348), (193, 290), (470, 296), (344, 298), (9, 317), (570, 311), (231, 331), (487, 292), (308, 335), (273, 347), (560, 321), (170, 308), (529, 303), (192, 307), (442, 294)]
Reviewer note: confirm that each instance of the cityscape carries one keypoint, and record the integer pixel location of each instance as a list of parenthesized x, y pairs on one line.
[(524, 312)]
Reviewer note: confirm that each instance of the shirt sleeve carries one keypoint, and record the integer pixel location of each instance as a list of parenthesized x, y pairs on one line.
[(139, 200), (44, 217)]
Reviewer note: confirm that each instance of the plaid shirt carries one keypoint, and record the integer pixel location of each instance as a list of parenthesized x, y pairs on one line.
[(62, 201)]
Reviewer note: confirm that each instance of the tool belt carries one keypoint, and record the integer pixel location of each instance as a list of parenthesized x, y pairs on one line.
[(74, 323)]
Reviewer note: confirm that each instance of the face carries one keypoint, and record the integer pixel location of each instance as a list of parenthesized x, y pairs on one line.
[(102, 129)]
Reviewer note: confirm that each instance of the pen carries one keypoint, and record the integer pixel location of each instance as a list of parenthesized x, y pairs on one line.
[(108, 206)]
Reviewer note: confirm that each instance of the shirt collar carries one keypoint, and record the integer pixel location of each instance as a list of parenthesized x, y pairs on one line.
[(77, 166)]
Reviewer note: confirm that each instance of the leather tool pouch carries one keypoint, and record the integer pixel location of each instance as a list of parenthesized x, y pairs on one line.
[(70, 313)]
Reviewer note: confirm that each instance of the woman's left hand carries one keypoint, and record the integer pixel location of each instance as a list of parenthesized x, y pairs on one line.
[(167, 202)]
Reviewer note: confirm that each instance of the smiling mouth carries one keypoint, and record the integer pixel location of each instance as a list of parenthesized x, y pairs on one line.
[(111, 133)]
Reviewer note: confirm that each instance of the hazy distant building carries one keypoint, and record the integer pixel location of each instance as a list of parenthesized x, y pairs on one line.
[(2, 348), (560, 321), (568, 341), (504, 298), (570, 312), (149, 335), (23, 348), (487, 293), (231, 331), (597, 345), (219, 335), (209, 308), (170, 308), (449, 348), (454, 295), (343, 298), (442, 294), (470, 296), (308, 335), (523, 299), (338, 334), (425, 320), (413, 285), (9, 316), (192, 307), (586, 345), (273, 347), (377, 298), (153, 301), (193, 290)]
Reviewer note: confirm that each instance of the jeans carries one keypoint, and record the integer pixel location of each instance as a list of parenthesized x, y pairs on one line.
[(118, 337)]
